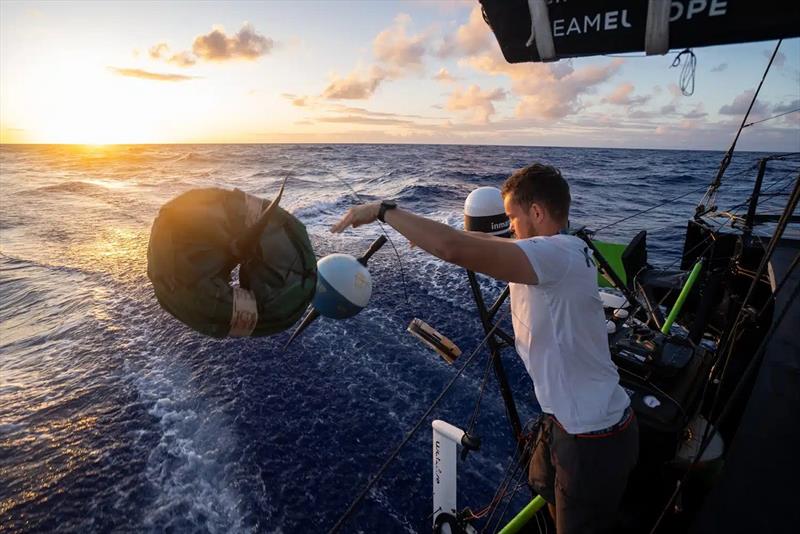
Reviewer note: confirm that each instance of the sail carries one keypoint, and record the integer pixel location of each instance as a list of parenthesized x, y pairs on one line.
[(548, 30)]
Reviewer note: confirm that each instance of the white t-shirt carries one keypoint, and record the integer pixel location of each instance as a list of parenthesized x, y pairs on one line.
[(561, 336)]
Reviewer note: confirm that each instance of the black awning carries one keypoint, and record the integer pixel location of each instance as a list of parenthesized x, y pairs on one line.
[(594, 27)]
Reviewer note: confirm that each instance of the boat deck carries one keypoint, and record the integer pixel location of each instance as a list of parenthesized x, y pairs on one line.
[(758, 490)]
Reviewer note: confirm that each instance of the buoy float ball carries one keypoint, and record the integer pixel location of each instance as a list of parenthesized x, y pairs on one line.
[(344, 286)]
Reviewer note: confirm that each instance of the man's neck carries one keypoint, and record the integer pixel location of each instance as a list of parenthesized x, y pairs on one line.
[(554, 228)]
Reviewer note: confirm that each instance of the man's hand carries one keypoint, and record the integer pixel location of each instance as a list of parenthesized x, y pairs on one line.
[(358, 216)]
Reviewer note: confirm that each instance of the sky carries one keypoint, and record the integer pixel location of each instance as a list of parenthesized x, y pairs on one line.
[(359, 72)]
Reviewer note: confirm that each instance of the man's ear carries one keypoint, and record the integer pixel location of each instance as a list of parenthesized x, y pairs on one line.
[(535, 212)]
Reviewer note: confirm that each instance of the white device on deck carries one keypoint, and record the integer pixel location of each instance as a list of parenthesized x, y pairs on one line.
[(484, 212)]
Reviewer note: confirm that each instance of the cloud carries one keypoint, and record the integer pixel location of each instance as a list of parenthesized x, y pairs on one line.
[(719, 68), (395, 49), (183, 59), (740, 104), (297, 100), (356, 85), (444, 76), (697, 113), (788, 106), (477, 101), (471, 38), (147, 75), (780, 58), (245, 44), (668, 109), (338, 108), (639, 114), (355, 119), (546, 90), (396, 54), (621, 96), (158, 51)]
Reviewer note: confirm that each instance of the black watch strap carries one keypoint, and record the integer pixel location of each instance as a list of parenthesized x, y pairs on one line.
[(386, 205)]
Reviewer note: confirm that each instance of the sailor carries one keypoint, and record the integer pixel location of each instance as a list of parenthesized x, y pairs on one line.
[(589, 440)]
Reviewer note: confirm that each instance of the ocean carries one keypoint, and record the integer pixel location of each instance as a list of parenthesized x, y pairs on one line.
[(116, 417)]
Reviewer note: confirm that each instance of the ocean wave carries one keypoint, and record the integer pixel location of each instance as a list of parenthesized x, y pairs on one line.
[(75, 187)]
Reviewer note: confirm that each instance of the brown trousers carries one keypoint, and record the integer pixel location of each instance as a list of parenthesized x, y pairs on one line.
[(583, 476)]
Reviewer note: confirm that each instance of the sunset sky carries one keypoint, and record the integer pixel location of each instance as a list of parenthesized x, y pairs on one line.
[(409, 72)]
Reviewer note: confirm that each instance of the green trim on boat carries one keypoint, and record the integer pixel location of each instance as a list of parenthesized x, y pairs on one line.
[(525, 515), (687, 288), (612, 252)]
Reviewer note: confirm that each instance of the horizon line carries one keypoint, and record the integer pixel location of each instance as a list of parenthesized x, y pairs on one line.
[(212, 143)]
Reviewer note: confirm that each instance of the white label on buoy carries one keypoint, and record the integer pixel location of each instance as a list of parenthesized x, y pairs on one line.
[(361, 280)]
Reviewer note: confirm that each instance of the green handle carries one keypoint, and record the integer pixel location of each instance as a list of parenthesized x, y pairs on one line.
[(687, 287), (524, 516)]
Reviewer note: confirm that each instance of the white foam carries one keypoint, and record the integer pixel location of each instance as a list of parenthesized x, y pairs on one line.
[(188, 463)]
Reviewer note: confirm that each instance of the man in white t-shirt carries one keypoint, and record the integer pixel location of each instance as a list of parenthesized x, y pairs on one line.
[(589, 439)]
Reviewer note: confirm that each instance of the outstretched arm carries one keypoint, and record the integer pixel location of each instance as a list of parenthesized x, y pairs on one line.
[(497, 257)]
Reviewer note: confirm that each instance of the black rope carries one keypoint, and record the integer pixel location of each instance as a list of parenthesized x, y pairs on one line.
[(476, 412), (505, 484), (731, 218), (751, 366), (686, 80), (651, 208), (517, 485), (707, 201), (350, 509), (728, 343), (669, 201), (727, 348), (770, 118), (383, 230)]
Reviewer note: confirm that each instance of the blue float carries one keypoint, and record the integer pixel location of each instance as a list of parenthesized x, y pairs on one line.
[(344, 286)]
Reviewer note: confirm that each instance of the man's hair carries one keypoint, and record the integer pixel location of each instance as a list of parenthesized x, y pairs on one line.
[(541, 184)]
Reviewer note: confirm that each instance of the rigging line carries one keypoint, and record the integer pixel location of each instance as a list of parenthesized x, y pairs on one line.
[(729, 220), (515, 463), (476, 412), (396, 253), (510, 498), (346, 515), (769, 119), (686, 80), (712, 236), (728, 343), (651, 208), (503, 490), (708, 199), (742, 380)]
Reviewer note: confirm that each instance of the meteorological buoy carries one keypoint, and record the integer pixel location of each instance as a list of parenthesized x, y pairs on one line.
[(484, 212), (344, 286)]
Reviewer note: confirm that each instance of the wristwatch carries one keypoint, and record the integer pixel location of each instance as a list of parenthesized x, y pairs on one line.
[(386, 205)]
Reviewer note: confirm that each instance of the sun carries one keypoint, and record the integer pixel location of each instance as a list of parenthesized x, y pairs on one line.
[(87, 104)]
